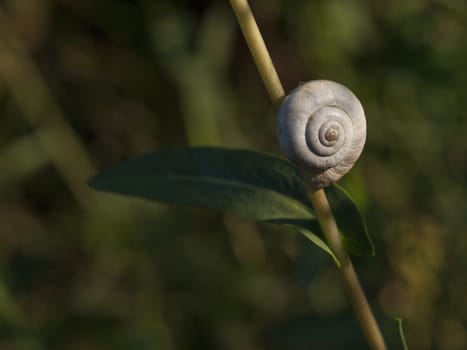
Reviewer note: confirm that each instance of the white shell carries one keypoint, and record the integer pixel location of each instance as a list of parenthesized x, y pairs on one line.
[(322, 128)]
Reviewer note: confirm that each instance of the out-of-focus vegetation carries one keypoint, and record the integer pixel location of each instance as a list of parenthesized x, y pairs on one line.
[(85, 84)]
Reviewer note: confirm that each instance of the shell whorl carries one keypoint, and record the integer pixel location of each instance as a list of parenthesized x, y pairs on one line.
[(322, 128)]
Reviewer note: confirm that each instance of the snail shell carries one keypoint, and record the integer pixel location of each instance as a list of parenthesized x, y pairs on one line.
[(322, 128)]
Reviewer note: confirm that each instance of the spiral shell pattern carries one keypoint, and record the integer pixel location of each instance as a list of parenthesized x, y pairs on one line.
[(322, 128)]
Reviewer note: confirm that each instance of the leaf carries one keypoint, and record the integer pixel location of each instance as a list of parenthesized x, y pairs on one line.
[(250, 183), (254, 184), (308, 229), (319, 242), (352, 228), (351, 225)]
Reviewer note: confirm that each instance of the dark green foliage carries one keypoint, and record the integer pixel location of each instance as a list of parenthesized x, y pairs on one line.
[(351, 224), (257, 185), (245, 182)]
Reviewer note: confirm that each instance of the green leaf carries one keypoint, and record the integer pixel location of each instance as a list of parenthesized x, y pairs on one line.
[(250, 183), (257, 185), (350, 222), (319, 242), (352, 228), (308, 229)]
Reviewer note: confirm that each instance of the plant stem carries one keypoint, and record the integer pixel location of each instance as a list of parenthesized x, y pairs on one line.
[(318, 198), (400, 329), (346, 270), (258, 50)]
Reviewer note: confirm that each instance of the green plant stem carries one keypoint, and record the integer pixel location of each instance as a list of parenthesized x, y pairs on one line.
[(318, 198), (400, 329)]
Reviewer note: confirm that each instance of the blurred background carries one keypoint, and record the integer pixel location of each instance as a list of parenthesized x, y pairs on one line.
[(85, 84)]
